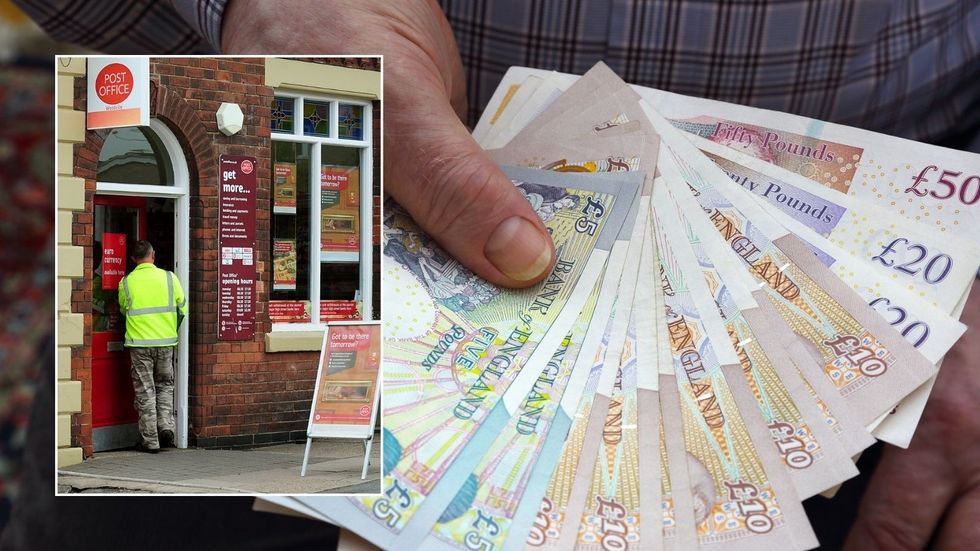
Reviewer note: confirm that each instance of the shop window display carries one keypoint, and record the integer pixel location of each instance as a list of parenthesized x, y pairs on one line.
[(316, 257)]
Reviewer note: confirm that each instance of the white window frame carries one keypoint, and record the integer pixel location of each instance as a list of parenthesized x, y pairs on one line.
[(364, 255)]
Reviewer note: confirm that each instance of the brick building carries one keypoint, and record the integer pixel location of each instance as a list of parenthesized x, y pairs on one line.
[(316, 236)]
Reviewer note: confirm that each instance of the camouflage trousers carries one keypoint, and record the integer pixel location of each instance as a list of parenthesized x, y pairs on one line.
[(153, 380)]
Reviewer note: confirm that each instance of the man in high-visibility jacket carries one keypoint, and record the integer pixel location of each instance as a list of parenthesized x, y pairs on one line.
[(153, 303)]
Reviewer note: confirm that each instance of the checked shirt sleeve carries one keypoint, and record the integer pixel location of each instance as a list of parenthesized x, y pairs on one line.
[(204, 16), (132, 26)]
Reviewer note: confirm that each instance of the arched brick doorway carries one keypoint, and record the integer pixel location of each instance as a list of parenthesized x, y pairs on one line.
[(185, 138)]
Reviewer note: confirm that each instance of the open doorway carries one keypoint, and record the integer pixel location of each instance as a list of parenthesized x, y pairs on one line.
[(142, 192), (118, 223)]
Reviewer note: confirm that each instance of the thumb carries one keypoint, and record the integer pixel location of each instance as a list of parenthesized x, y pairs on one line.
[(456, 193)]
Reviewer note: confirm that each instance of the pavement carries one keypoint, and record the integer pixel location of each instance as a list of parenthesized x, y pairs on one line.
[(334, 467)]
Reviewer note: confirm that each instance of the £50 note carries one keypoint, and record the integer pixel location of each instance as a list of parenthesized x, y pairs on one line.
[(936, 266), (917, 181)]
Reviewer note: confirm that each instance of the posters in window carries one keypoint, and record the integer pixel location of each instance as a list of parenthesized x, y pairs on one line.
[(339, 208), (292, 311), (284, 193), (284, 265), (113, 259), (339, 310)]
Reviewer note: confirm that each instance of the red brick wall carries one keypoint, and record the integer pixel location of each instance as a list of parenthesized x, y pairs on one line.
[(238, 394)]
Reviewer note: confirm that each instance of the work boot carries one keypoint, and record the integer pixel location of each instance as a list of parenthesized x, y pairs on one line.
[(142, 447), (167, 439)]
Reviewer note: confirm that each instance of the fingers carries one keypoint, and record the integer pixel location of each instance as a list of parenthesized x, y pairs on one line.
[(904, 500), (435, 169), (961, 525), (432, 166), (463, 200)]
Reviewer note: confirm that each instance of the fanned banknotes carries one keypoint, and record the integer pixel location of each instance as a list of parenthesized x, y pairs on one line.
[(461, 345), (737, 304)]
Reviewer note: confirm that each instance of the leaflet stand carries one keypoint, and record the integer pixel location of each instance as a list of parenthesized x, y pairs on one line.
[(344, 394)]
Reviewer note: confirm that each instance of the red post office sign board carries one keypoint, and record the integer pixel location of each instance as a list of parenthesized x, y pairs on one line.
[(347, 381), (118, 92), (236, 244), (113, 259)]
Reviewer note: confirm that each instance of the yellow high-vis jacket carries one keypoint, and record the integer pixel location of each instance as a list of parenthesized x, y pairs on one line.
[(151, 299)]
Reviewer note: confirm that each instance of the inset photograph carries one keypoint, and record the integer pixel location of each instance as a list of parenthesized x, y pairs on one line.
[(218, 274)]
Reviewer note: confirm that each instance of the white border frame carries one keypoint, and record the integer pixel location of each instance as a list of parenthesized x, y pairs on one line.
[(180, 192), (365, 256), (56, 318)]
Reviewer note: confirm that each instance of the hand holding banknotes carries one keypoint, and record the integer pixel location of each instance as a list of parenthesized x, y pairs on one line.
[(694, 372), (931, 491), (701, 410), (432, 166)]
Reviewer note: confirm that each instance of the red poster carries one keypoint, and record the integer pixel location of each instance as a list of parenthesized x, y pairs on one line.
[(236, 242), (113, 259), (339, 208), (289, 310), (284, 264), (284, 195), (335, 178), (348, 375), (339, 310)]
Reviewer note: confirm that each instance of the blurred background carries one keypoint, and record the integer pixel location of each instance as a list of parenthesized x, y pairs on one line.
[(26, 229), (27, 315)]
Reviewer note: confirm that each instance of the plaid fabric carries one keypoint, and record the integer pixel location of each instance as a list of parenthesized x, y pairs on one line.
[(903, 67), (132, 26), (204, 16)]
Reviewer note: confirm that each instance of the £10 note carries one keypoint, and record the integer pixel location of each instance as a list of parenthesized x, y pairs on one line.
[(814, 458), (743, 499), (860, 354)]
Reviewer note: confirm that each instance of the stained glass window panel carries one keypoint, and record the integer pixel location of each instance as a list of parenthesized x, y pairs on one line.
[(316, 118), (282, 114), (350, 122)]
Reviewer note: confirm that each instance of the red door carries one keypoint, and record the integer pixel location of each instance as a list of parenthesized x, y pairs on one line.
[(119, 222)]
